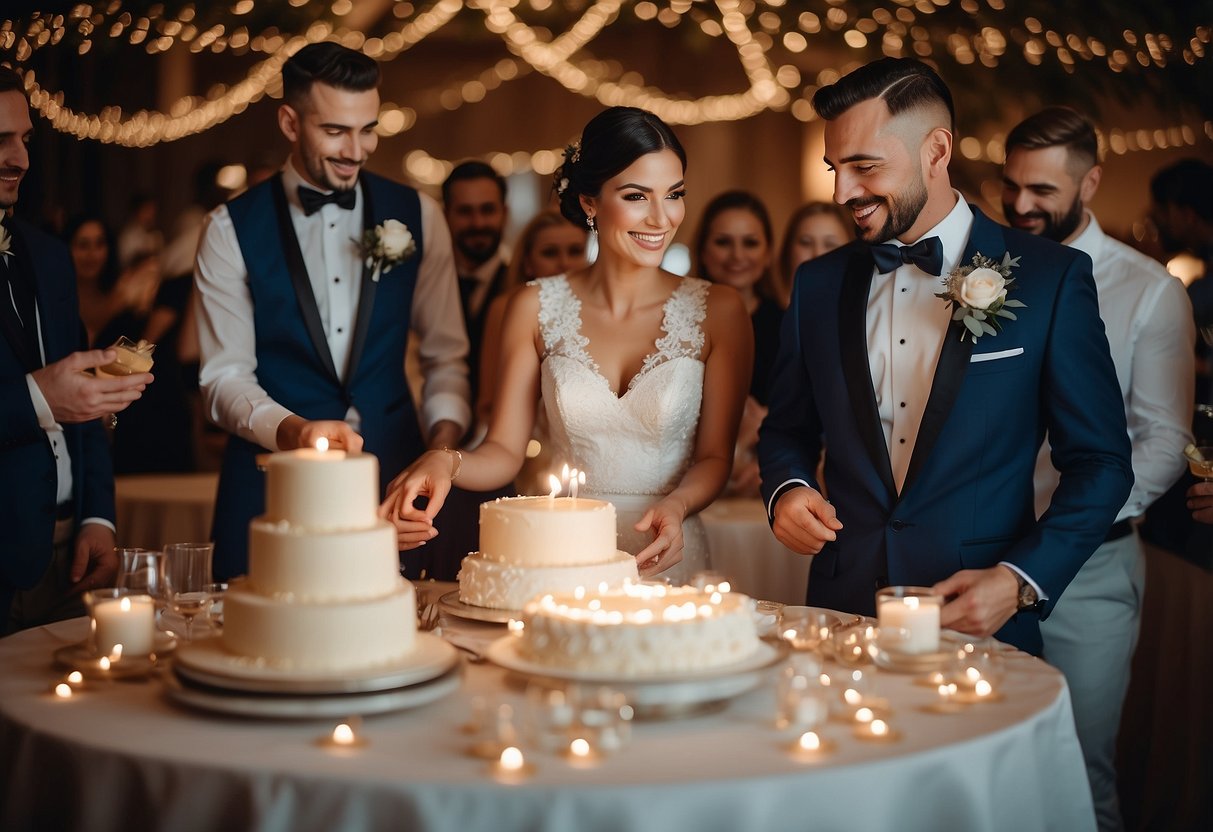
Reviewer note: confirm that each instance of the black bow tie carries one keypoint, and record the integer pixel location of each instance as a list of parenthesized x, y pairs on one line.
[(313, 200), (926, 254)]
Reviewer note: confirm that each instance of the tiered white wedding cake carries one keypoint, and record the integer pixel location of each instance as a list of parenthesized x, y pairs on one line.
[(640, 631), (535, 545), (323, 592)]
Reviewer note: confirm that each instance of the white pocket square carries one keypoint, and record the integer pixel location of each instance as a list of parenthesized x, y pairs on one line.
[(994, 356)]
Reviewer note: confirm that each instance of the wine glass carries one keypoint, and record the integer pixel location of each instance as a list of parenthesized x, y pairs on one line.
[(187, 581), (1200, 463)]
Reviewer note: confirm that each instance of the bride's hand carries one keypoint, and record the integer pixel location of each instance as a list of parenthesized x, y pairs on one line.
[(429, 476), (664, 518)]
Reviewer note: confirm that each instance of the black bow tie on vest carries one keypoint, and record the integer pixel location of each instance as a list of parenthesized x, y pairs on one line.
[(926, 254), (313, 200)]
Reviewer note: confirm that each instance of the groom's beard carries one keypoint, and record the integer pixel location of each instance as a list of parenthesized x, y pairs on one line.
[(902, 211), (1057, 227)]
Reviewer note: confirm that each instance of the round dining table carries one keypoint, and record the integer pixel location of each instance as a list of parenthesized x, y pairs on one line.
[(123, 755)]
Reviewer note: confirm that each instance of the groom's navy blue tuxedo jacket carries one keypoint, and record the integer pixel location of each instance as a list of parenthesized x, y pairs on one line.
[(28, 481), (294, 364), (967, 498)]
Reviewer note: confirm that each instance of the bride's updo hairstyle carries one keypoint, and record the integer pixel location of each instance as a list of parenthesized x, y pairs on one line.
[(613, 140)]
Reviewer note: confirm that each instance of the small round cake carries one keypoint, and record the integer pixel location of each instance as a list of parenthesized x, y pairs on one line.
[(641, 630), (530, 546)]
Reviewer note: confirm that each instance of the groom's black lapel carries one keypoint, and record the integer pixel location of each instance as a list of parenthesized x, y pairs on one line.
[(366, 295), (853, 350), (986, 239), (303, 285)]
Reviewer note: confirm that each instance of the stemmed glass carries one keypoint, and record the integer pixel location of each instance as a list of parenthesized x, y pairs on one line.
[(1200, 463), (187, 581)]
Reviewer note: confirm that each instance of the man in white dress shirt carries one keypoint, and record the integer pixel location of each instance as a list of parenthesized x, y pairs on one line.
[(300, 337), (1051, 173)]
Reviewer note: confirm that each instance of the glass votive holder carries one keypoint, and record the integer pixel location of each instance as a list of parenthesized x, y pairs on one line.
[(805, 628), (977, 670), (800, 700), (603, 718), (498, 735), (121, 622), (855, 645), (550, 715), (767, 618), (916, 610)]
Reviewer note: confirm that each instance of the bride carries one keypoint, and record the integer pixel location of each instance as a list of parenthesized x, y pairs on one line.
[(643, 373)]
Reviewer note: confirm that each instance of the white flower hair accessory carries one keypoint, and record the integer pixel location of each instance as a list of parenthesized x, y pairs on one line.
[(386, 245), (978, 295), (572, 155)]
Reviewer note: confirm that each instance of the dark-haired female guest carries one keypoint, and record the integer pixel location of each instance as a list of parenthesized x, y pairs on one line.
[(643, 373)]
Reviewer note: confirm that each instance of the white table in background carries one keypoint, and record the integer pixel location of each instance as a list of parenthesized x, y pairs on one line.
[(744, 548)]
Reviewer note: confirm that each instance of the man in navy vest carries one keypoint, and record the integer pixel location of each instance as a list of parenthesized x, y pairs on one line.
[(57, 500), (302, 336)]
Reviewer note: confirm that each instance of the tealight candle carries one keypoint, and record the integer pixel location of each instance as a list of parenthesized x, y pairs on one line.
[(877, 730), (511, 766), (810, 746), (63, 691), (580, 754), (343, 737)]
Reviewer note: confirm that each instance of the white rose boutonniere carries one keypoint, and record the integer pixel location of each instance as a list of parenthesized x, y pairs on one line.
[(6, 244), (386, 245), (978, 294)]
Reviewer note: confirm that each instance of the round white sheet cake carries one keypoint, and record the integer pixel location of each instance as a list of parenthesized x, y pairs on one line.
[(323, 592), (640, 631), (535, 545)]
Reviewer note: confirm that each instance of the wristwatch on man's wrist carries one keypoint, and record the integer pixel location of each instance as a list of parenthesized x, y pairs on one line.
[(1027, 598)]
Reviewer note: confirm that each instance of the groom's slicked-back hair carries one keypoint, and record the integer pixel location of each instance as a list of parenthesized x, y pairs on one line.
[(328, 63), (903, 83)]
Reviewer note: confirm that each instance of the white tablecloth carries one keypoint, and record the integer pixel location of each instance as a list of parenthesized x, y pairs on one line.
[(123, 757), (744, 549)]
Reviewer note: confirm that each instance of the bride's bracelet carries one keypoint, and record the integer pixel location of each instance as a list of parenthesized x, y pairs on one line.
[(456, 461)]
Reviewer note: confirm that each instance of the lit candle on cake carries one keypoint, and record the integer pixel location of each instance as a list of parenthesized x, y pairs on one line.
[(129, 621), (320, 452)]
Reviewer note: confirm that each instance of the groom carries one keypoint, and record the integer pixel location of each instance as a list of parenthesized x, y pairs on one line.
[(932, 432)]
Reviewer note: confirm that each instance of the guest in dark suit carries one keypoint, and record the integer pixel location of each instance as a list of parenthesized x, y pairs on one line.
[(301, 336), (57, 501), (933, 424)]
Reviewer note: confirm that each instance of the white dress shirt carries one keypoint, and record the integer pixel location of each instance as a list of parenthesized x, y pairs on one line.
[(1148, 319), (906, 328), (328, 240), (483, 275)]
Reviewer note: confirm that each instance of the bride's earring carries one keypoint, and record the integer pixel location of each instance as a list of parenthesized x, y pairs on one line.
[(590, 224)]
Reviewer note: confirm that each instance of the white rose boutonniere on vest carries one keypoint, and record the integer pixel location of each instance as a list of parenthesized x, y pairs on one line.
[(6, 244), (978, 295), (386, 245)]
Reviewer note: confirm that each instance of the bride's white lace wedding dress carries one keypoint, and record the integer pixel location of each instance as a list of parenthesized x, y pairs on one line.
[(636, 446)]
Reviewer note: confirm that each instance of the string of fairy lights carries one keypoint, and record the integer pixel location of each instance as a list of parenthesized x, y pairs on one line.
[(765, 34)]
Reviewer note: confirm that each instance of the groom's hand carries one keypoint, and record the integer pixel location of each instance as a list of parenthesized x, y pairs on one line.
[(297, 432), (804, 520), (979, 600)]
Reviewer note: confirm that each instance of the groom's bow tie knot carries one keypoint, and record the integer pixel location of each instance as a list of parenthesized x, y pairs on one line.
[(313, 200), (926, 254)]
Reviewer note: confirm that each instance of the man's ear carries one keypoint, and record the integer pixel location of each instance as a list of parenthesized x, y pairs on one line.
[(1090, 184), (937, 151), (289, 122)]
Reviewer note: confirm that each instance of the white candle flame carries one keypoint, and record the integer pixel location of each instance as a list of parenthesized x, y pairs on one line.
[(343, 734), (322, 444), (983, 688), (511, 759), (579, 748), (573, 479), (809, 741), (116, 653), (125, 606), (879, 727), (866, 715), (63, 691), (75, 677), (104, 663), (554, 482)]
